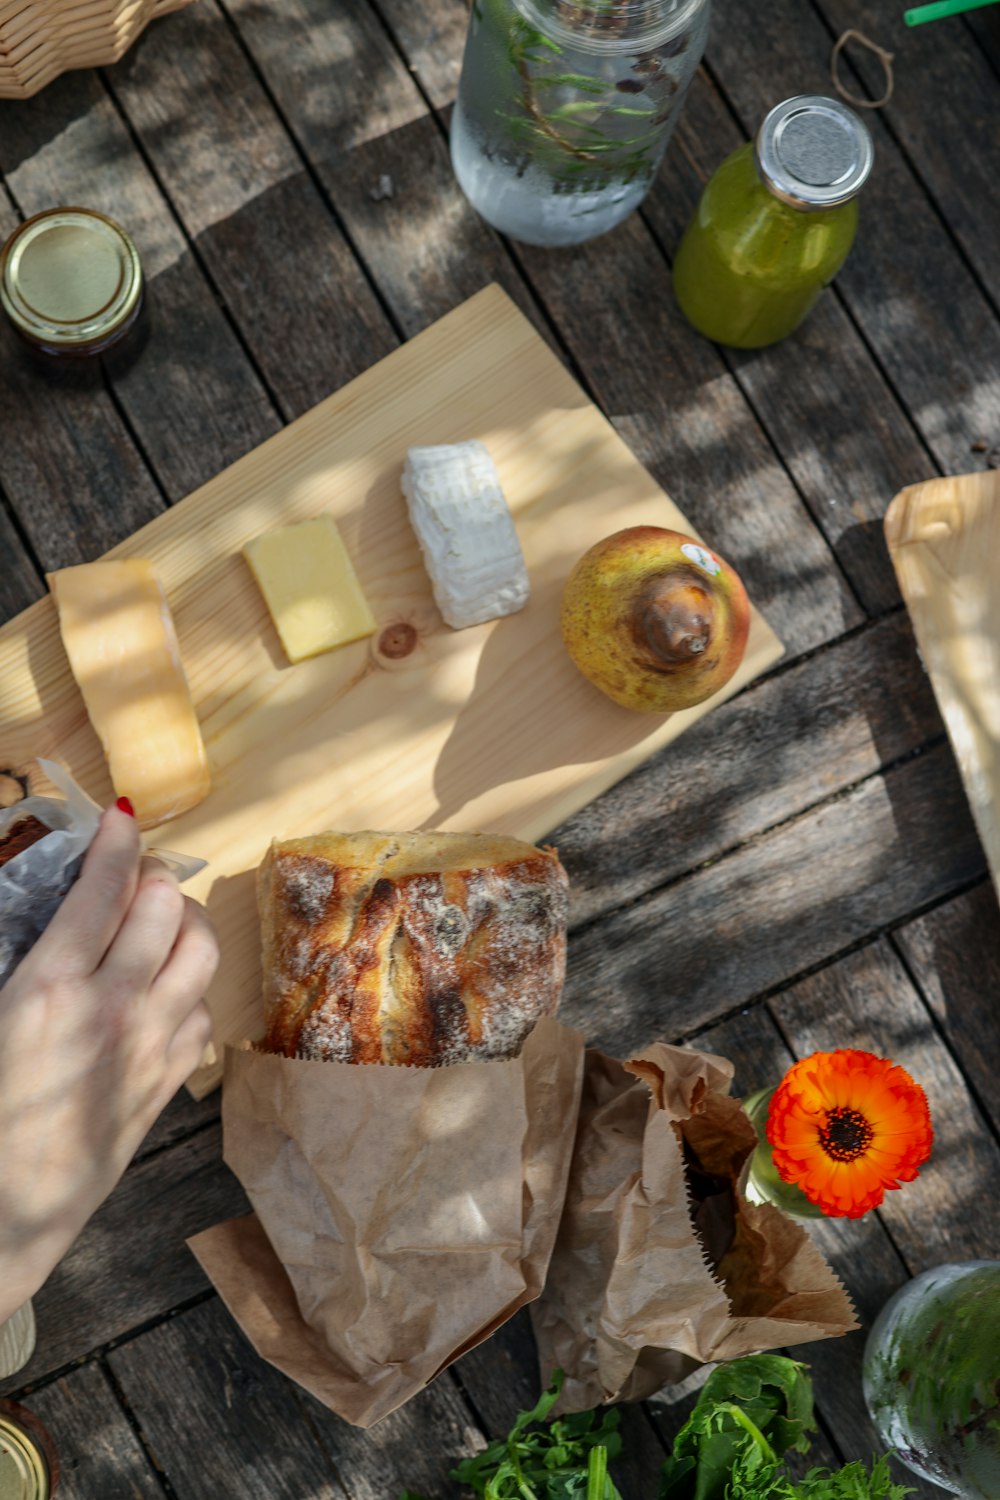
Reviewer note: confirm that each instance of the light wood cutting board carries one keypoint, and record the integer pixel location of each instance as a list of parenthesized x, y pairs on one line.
[(490, 728), (944, 538)]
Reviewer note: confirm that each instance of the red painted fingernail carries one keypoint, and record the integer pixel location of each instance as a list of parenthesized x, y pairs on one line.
[(124, 805)]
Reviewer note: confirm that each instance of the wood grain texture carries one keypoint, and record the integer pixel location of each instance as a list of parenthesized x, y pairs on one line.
[(380, 156), (274, 249), (954, 955), (820, 396), (20, 581), (944, 89), (893, 279), (944, 538), (794, 898), (683, 415), (786, 744), (178, 1378), (130, 1263), (68, 467), (183, 1116), (190, 393), (664, 388), (276, 1440), (860, 1252), (99, 1452), (847, 441), (867, 1000), (297, 751), (432, 41)]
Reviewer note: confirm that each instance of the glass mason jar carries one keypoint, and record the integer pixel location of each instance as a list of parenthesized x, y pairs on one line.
[(774, 224), (565, 108), (764, 1184), (932, 1376)]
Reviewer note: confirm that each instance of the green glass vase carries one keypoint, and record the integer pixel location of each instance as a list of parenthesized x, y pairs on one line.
[(764, 1183)]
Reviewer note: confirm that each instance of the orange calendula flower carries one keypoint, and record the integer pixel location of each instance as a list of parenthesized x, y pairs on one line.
[(846, 1125)]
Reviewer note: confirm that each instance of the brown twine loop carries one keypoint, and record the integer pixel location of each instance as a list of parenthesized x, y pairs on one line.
[(884, 57)]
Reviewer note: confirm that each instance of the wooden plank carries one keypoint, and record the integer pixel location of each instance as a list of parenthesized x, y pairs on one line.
[(20, 581), (827, 407), (308, 748), (859, 1251), (220, 1420), (191, 394), (99, 1453), (69, 468), (130, 1263), (820, 396), (182, 1117), (985, 27), (272, 245), (501, 1378), (415, 1447), (794, 898), (381, 157), (657, 379), (687, 421), (954, 955), (867, 1001), (942, 354), (944, 91), (784, 745), (271, 1438), (432, 41)]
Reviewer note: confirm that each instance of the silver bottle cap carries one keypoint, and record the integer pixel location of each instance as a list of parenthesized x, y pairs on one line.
[(813, 152)]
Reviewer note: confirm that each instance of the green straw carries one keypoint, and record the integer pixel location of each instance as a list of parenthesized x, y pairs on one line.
[(938, 9)]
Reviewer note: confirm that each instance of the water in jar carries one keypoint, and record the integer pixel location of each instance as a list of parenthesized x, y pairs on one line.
[(565, 108)]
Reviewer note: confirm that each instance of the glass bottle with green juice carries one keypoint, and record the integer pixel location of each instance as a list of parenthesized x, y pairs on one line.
[(774, 224)]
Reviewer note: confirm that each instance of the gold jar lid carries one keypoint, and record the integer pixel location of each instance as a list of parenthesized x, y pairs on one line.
[(24, 1468), (70, 280)]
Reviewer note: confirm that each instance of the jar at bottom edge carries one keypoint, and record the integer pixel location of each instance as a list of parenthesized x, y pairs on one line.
[(29, 1464)]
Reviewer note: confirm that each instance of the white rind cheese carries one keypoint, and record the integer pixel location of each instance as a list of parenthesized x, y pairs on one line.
[(466, 533)]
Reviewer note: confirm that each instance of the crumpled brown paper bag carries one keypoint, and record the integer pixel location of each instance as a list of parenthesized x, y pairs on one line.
[(661, 1264), (402, 1214)]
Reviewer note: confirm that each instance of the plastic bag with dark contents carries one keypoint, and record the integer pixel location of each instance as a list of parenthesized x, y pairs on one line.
[(43, 841)]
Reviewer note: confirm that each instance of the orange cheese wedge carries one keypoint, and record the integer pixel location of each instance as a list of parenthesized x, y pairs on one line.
[(122, 647)]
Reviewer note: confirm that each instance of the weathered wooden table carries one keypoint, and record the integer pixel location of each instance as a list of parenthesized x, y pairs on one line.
[(800, 871)]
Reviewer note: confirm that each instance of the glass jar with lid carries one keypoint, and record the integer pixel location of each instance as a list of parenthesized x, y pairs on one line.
[(775, 224), (565, 108), (71, 282)]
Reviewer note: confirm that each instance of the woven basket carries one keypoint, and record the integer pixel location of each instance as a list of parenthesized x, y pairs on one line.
[(39, 39)]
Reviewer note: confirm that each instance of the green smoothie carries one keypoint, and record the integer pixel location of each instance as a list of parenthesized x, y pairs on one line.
[(750, 266)]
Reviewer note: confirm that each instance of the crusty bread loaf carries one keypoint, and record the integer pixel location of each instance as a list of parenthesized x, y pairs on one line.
[(419, 948)]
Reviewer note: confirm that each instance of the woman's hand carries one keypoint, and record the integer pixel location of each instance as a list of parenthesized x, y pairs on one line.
[(100, 1024)]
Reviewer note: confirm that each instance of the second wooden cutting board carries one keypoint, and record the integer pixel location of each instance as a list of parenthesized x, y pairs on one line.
[(489, 728)]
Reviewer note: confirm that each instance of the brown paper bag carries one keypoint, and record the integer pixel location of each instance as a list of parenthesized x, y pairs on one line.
[(661, 1263), (402, 1214)]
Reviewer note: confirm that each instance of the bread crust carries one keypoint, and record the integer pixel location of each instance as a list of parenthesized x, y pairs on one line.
[(419, 949)]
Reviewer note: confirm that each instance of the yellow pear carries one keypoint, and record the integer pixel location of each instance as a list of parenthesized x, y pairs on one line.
[(655, 619)]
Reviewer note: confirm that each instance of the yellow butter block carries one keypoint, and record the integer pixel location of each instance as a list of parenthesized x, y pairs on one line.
[(122, 647), (310, 587)]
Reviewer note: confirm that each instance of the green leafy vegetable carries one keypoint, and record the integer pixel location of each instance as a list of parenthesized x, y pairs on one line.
[(558, 1460), (749, 1413)]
